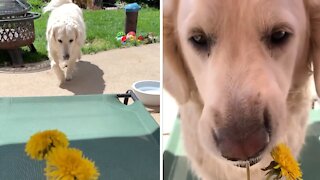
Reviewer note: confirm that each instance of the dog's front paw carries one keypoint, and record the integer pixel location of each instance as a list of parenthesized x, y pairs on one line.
[(61, 82), (68, 75), (61, 79), (68, 78)]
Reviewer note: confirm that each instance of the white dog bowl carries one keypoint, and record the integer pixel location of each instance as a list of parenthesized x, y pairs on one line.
[(148, 92)]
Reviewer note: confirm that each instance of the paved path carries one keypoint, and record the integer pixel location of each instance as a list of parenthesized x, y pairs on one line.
[(111, 71)]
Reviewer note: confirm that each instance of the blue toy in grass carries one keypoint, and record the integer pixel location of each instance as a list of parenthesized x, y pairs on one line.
[(132, 7)]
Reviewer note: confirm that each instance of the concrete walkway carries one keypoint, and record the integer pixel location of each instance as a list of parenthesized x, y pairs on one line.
[(111, 71)]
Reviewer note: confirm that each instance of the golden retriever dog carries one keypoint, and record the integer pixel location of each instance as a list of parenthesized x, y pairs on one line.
[(66, 35), (240, 72)]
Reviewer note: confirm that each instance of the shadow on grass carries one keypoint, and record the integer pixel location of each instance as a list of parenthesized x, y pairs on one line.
[(88, 79)]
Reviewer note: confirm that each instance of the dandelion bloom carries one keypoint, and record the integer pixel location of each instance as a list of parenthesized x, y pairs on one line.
[(69, 164), (40, 144), (284, 164)]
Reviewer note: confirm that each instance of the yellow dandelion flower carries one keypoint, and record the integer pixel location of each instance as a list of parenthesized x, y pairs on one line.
[(284, 164), (41, 143), (69, 164)]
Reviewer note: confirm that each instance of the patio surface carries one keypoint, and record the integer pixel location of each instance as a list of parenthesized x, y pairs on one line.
[(111, 71)]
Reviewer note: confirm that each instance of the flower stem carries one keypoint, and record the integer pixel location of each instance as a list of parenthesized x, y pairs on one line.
[(248, 170)]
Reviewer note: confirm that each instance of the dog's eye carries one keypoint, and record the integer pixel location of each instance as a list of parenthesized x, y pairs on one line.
[(71, 40), (60, 41), (279, 37), (200, 41)]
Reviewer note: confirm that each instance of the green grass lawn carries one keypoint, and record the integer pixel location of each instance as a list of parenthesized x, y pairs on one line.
[(102, 27)]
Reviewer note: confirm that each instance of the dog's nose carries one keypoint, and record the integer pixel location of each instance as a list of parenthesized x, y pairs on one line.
[(244, 138), (66, 57)]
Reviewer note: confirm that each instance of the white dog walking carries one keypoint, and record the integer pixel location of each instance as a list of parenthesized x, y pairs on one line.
[(66, 35)]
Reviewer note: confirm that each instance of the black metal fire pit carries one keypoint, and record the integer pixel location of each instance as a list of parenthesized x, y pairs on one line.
[(16, 28)]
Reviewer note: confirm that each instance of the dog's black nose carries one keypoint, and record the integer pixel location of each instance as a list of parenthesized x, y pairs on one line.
[(245, 137), (66, 57)]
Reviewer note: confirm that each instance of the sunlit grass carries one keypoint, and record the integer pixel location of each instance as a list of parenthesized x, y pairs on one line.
[(102, 27)]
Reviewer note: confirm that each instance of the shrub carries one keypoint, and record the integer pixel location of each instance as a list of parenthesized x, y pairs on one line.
[(85, 4), (37, 5)]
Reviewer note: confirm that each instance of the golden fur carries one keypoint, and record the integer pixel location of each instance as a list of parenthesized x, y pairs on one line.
[(240, 64)]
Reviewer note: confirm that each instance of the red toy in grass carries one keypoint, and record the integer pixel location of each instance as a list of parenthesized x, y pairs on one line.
[(141, 38), (124, 39)]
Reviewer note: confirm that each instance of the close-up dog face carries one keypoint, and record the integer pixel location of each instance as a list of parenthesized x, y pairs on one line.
[(64, 38), (242, 60)]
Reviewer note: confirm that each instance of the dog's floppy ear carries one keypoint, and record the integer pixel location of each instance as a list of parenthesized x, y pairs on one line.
[(313, 7), (80, 36), (175, 74), (51, 33)]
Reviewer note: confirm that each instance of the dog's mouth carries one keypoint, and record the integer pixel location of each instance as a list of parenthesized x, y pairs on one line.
[(251, 161), (245, 150)]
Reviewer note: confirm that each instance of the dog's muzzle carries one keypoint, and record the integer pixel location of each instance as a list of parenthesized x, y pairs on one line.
[(245, 137), (66, 57)]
